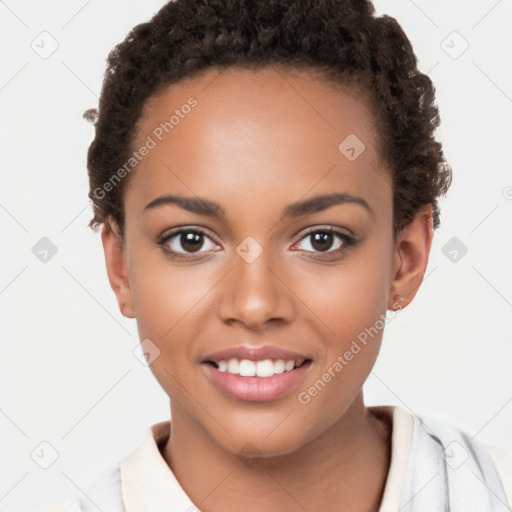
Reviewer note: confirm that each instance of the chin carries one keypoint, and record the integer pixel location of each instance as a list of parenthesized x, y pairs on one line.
[(264, 439)]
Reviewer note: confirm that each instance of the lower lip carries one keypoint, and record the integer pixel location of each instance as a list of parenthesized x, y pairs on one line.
[(257, 389)]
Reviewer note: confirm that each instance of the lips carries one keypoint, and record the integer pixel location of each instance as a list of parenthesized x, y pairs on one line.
[(255, 354), (256, 373)]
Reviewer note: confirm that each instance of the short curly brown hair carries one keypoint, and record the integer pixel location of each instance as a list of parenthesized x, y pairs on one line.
[(341, 39)]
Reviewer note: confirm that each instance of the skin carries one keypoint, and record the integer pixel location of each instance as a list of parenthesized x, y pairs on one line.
[(255, 143)]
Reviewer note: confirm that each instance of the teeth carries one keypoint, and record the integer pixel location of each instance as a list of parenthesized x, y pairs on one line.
[(264, 368), (289, 365), (233, 366), (248, 368), (279, 366)]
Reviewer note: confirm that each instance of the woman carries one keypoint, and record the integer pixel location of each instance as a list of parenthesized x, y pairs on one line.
[(267, 179)]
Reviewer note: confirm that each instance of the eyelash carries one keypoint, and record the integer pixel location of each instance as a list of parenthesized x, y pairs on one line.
[(347, 240)]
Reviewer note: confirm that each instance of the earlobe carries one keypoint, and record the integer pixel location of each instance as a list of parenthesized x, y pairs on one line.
[(115, 260), (411, 255)]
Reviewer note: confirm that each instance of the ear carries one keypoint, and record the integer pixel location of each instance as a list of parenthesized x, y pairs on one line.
[(115, 259), (412, 250)]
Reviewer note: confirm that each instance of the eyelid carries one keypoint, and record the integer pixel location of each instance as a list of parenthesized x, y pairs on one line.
[(326, 227), (347, 239), (167, 235)]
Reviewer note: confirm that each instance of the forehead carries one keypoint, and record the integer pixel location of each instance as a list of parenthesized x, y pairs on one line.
[(263, 136)]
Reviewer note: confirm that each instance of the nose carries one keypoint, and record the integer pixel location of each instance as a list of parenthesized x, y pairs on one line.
[(255, 293)]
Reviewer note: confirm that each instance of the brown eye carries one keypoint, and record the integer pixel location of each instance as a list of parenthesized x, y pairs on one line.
[(322, 240), (191, 241), (187, 241)]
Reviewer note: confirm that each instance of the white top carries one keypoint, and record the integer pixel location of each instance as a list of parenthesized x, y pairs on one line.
[(144, 482)]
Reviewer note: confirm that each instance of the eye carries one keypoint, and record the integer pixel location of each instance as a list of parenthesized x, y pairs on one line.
[(324, 239), (186, 241)]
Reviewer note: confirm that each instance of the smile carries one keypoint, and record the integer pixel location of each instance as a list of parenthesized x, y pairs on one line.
[(264, 368), (256, 374)]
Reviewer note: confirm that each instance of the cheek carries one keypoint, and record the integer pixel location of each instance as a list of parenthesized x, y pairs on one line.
[(349, 304), (169, 305), (348, 297), (166, 302), (165, 294)]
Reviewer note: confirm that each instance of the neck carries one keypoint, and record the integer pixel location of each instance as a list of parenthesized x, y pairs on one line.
[(343, 469)]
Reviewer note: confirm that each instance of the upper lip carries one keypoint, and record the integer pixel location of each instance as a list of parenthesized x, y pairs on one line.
[(255, 354)]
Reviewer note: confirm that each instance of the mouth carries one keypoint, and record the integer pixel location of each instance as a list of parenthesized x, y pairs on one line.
[(264, 368), (256, 375)]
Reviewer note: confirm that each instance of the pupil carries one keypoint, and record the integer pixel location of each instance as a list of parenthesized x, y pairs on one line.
[(322, 241), (192, 241)]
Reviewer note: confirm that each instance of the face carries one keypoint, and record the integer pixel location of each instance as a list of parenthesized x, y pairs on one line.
[(289, 256)]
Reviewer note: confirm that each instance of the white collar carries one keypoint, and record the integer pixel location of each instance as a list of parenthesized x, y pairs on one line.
[(148, 483)]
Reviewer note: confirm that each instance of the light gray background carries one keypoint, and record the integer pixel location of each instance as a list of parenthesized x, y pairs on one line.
[(68, 374)]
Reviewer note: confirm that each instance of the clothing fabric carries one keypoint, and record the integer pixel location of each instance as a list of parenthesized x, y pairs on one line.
[(434, 468)]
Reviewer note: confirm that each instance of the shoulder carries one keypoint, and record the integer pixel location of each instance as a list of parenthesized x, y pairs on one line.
[(467, 466), (503, 462), (104, 494)]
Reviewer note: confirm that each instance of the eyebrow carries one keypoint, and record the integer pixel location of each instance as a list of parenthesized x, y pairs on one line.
[(209, 208)]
